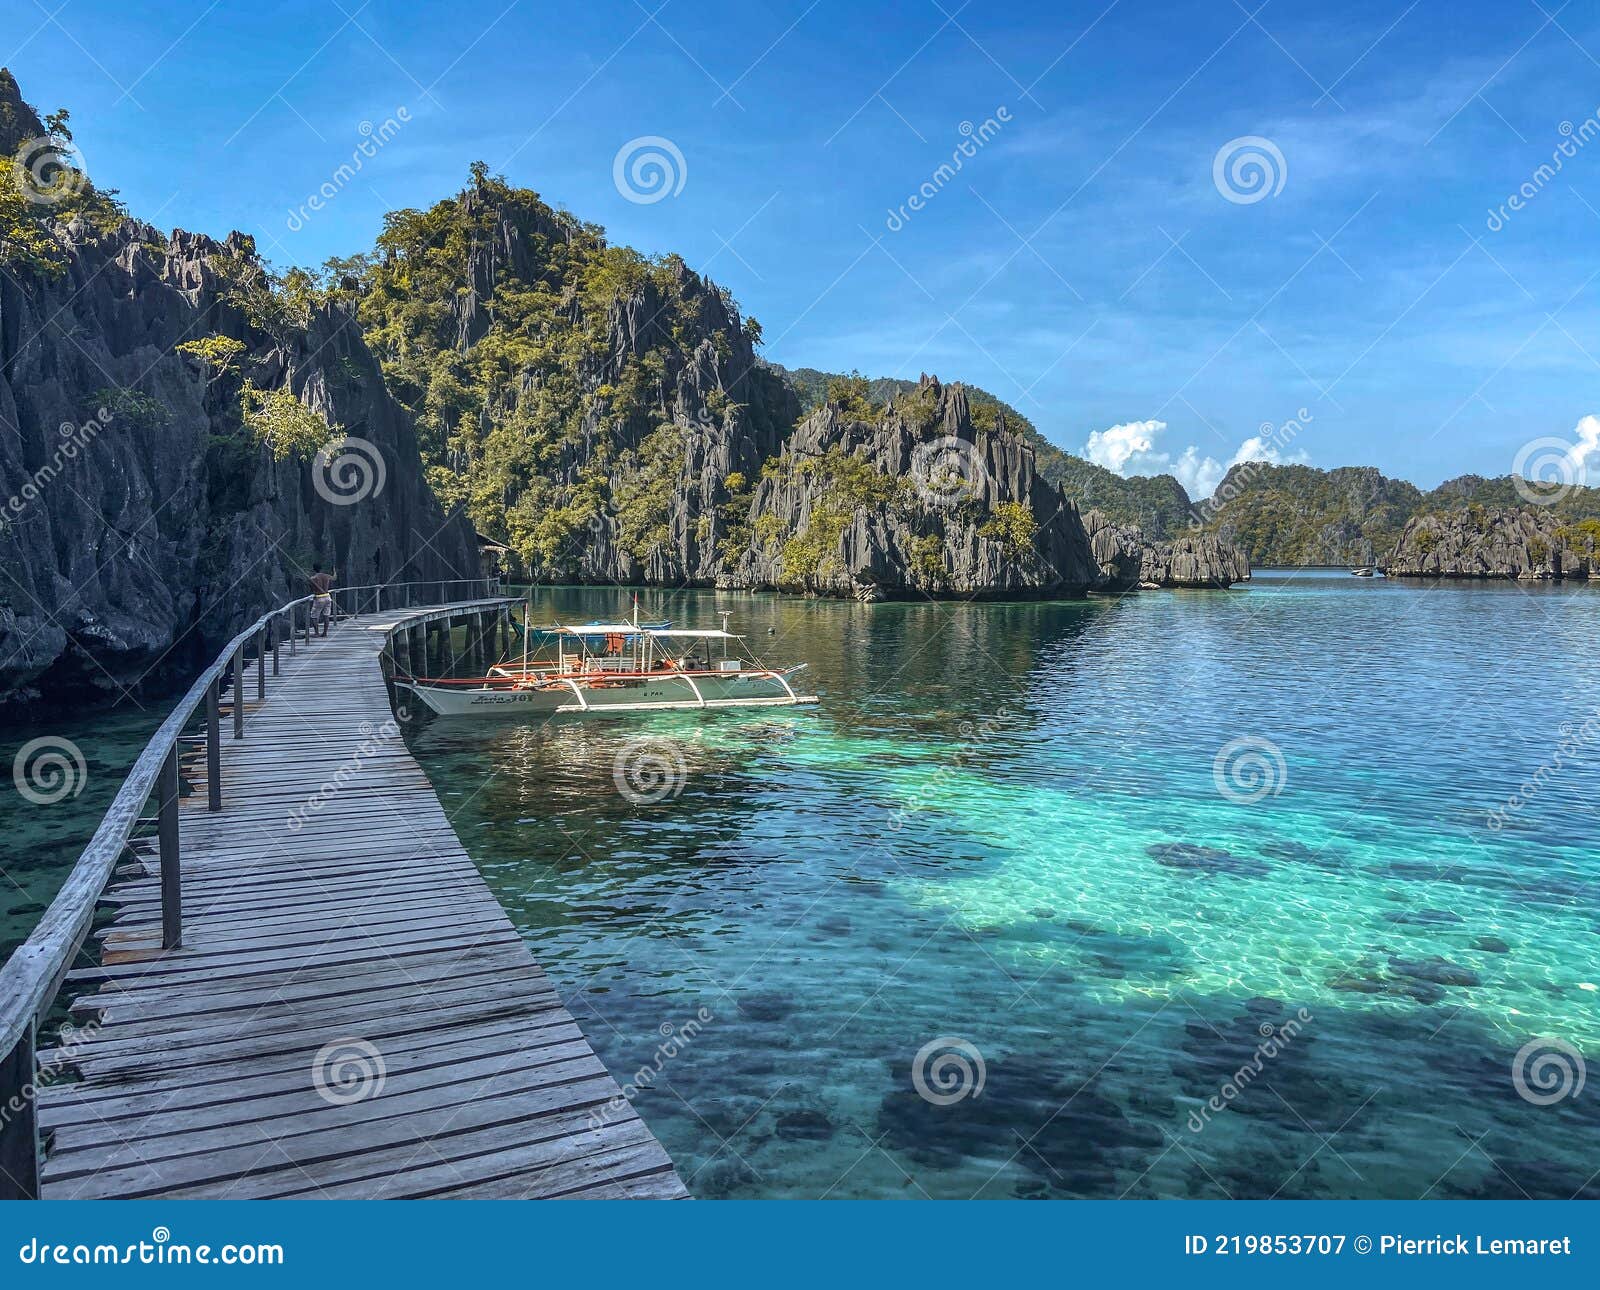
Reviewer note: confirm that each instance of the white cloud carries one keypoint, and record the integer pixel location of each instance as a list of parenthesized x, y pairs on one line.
[(1130, 449), (1588, 432)]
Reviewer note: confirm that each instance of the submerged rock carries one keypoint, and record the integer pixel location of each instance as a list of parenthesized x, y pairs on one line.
[(1079, 1134), (1437, 970), (1424, 917), (807, 1125), (767, 1005), (1194, 858)]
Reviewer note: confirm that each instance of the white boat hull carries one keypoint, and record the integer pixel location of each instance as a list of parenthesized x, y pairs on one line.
[(661, 692)]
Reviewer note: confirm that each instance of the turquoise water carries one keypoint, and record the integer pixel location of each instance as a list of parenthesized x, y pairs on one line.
[(74, 764), (1002, 827)]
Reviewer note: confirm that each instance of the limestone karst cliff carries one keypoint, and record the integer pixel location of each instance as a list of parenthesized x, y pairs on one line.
[(143, 524), (1526, 543)]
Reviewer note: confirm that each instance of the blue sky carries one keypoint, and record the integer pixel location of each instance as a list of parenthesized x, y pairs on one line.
[(1085, 262)]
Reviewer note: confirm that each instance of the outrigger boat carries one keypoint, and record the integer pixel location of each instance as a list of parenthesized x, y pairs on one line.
[(605, 668)]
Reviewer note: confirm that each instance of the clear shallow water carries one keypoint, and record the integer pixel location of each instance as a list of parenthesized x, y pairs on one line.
[(971, 838), (43, 839)]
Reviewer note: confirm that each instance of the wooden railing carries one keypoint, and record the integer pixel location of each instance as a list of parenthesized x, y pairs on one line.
[(32, 976)]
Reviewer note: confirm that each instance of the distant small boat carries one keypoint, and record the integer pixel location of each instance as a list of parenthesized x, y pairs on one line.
[(1363, 571)]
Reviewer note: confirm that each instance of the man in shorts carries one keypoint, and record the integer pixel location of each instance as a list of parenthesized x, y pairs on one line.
[(322, 602)]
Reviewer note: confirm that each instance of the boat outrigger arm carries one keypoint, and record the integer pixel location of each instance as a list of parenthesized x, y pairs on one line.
[(602, 668)]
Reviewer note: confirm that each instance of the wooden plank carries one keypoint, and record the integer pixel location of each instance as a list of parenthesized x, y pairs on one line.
[(366, 922)]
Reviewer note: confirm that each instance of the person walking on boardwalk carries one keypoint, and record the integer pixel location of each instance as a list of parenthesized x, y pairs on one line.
[(322, 602)]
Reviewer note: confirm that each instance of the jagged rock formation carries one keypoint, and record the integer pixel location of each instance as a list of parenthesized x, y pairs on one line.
[(1157, 504), (144, 525), (1203, 560), (920, 501), (599, 412), (1477, 543), (1117, 548), (1127, 558)]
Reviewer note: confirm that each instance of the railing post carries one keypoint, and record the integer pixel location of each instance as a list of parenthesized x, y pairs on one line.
[(171, 877), (213, 746), (238, 693), (273, 633), (261, 665), (307, 608), (19, 1133), (377, 600)]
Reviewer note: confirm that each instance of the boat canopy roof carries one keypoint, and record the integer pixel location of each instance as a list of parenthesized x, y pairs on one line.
[(631, 629)]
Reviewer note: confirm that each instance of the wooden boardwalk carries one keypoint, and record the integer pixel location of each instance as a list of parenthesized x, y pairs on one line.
[(351, 1013)]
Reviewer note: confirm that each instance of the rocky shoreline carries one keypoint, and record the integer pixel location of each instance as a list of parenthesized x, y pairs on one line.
[(1526, 545)]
